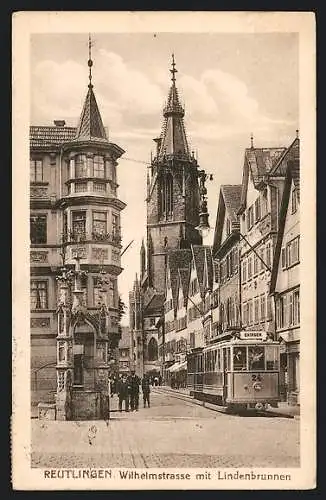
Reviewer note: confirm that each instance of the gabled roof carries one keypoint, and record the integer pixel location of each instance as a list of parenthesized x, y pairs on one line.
[(177, 259), (260, 163), (90, 126), (155, 305), (184, 277), (208, 270), (199, 256), (229, 203), (50, 136), (292, 174), (292, 153), (232, 198)]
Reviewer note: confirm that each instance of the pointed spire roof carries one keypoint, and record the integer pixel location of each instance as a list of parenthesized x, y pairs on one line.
[(90, 126), (173, 140)]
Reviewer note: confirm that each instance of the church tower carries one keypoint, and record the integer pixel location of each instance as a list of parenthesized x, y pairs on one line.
[(173, 191)]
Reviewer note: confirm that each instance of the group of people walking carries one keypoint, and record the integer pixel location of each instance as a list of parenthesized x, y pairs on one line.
[(127, 388)]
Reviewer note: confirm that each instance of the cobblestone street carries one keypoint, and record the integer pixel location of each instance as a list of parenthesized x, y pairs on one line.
[(172, 433)]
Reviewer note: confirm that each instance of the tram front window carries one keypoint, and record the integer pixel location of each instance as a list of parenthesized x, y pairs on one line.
[(256, 358), (271, 353), (239, 358)]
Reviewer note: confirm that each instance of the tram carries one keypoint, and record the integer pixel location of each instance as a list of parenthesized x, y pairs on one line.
[(239, 373)]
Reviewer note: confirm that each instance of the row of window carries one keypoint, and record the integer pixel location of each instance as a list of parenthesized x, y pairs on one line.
[(230, 313), (253, 265), (39, 297), (229, 265), (288, 309), (290, 254), (257, 310), (257, 210), (38, 226), (85, 166)]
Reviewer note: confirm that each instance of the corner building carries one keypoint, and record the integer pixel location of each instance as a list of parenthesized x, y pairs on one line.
[(75, 232)]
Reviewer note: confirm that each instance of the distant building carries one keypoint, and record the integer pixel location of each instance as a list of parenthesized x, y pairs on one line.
[(175, 202), (285, 282), (126, 351)]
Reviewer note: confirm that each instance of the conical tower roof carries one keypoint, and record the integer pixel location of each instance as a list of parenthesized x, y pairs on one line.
[(173, 140), (90, 126)]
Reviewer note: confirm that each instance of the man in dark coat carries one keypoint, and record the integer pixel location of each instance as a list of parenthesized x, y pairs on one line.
[(134, 382), (146, 391), (123, 392)]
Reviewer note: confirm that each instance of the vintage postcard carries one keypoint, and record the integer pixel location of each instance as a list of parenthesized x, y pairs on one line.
[(164, 273)]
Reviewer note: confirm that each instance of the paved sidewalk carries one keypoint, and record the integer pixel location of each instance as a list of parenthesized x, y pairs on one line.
[(282, 409)]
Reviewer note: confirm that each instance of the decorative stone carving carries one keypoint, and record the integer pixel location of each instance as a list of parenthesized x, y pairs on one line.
[(40, 257), (115, 255), (38, 192), (40, 322), (100, 253), (80, 251), (60, 380)]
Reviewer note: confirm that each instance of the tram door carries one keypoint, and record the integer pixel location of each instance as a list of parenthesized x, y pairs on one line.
[(225, 372)]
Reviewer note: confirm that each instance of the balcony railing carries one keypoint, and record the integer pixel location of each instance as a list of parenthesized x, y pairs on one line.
[(82, 237)]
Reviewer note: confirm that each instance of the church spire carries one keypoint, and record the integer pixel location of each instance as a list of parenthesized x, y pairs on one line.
[(90, 126), (173, 140)]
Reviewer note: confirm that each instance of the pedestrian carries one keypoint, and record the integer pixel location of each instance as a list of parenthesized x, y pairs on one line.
[(123, 392), (160, 380), (156, 381), (134, 382), (146, 391)]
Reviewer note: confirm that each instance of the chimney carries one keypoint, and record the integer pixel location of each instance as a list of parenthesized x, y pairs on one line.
[(59, 123)]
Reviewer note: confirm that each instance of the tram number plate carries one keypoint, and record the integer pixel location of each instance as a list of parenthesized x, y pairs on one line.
[(256, 377)]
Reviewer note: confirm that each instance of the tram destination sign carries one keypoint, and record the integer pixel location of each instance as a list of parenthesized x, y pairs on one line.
[(248, 335)]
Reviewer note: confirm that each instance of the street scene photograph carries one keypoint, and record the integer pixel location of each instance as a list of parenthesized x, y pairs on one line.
[(164, 224)]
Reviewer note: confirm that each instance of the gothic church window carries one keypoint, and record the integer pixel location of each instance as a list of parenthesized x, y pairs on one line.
[(166, 196)]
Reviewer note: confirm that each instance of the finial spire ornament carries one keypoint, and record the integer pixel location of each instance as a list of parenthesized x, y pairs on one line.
[(173, 70), (252, 140), (297, 133), (90, 62)]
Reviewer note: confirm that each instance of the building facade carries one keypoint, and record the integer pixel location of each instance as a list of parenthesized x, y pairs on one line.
[(285, 283), (226, 251), (75, 249)]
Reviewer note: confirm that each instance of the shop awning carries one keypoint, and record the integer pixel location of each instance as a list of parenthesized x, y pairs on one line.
[(177, 367)]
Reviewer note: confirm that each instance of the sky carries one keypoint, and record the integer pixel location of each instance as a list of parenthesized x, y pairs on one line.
[(232, 85)]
